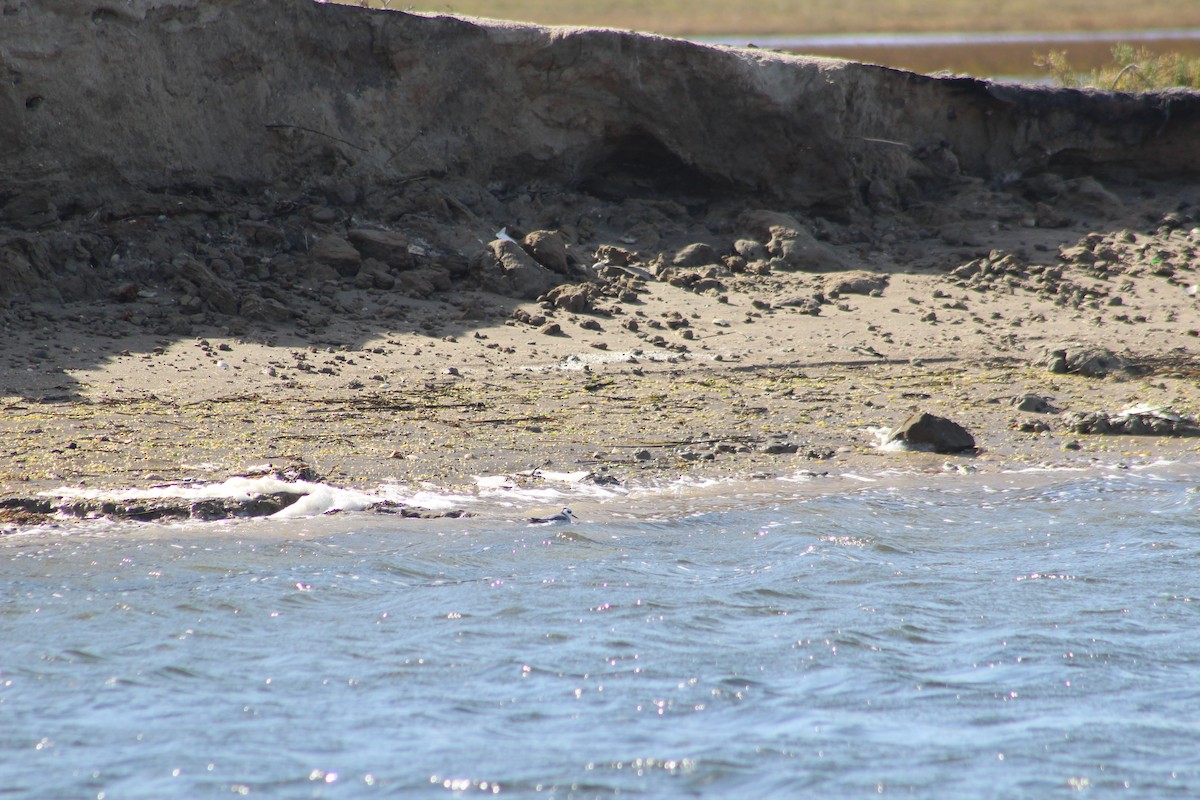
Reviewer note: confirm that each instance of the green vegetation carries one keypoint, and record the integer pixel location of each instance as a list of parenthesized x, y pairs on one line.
[(1131, 70)]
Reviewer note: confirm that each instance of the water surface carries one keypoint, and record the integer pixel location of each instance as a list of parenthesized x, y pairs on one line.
[(987, 55), (977, 638)]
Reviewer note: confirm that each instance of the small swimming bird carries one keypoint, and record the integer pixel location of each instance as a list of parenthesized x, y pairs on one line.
[(566, 515)]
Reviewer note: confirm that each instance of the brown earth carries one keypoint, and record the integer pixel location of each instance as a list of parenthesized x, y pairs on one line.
[(236, 232)]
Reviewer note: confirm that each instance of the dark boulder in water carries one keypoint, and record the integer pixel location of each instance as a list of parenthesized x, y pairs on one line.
[(924, 431)]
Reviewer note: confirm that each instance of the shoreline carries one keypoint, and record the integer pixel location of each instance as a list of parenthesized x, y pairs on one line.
[(511, 498), (449, 411), (640, 374), (412, 284)]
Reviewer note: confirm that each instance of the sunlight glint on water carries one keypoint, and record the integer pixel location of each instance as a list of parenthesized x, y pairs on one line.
[(972, 640)]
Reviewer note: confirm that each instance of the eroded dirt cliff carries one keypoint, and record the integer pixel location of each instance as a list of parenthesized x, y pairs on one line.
[(184, 148)]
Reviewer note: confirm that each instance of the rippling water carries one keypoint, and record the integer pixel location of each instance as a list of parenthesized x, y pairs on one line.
[(977, 638)]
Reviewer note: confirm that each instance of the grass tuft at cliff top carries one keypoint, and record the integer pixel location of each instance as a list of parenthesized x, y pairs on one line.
[(1132, 69)]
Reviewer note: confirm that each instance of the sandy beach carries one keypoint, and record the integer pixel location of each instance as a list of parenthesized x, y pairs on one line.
[(732, 382), (651, 320)]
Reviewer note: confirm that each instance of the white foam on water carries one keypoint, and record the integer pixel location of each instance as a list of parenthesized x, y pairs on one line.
[(894, 446), (536, 488), (318, 498), (543, 486), (533, 487), (429, 497), (1047, 468), (322, 498), (235, 488)]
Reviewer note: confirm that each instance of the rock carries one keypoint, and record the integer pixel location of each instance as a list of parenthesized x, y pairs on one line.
[(1087, 422), (505, 268), (317, 272), (696, 255), (209, 288), (750, 250), (699, 281), (261, 234), (601, 480), (551, 329), (790, 242), (1095, 362), (322, 214), (1134, 422), (388, 247), (857, 282), (19, 511), (762, 224), (422, 282), (803, 252), (336, 252), (1056, 362), (374, 275), (1077, 254), (125, 292), (179, 508), (548, 248), (1091, 362), (31, 210), (616, 256), (1044, 185), (924, 431), (578, 298), (26, 270), (264, 309), (528, 317), (191, 304), (1034, 404), (1046, 216), (968, 270), (805, 305), (1089, 194)]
